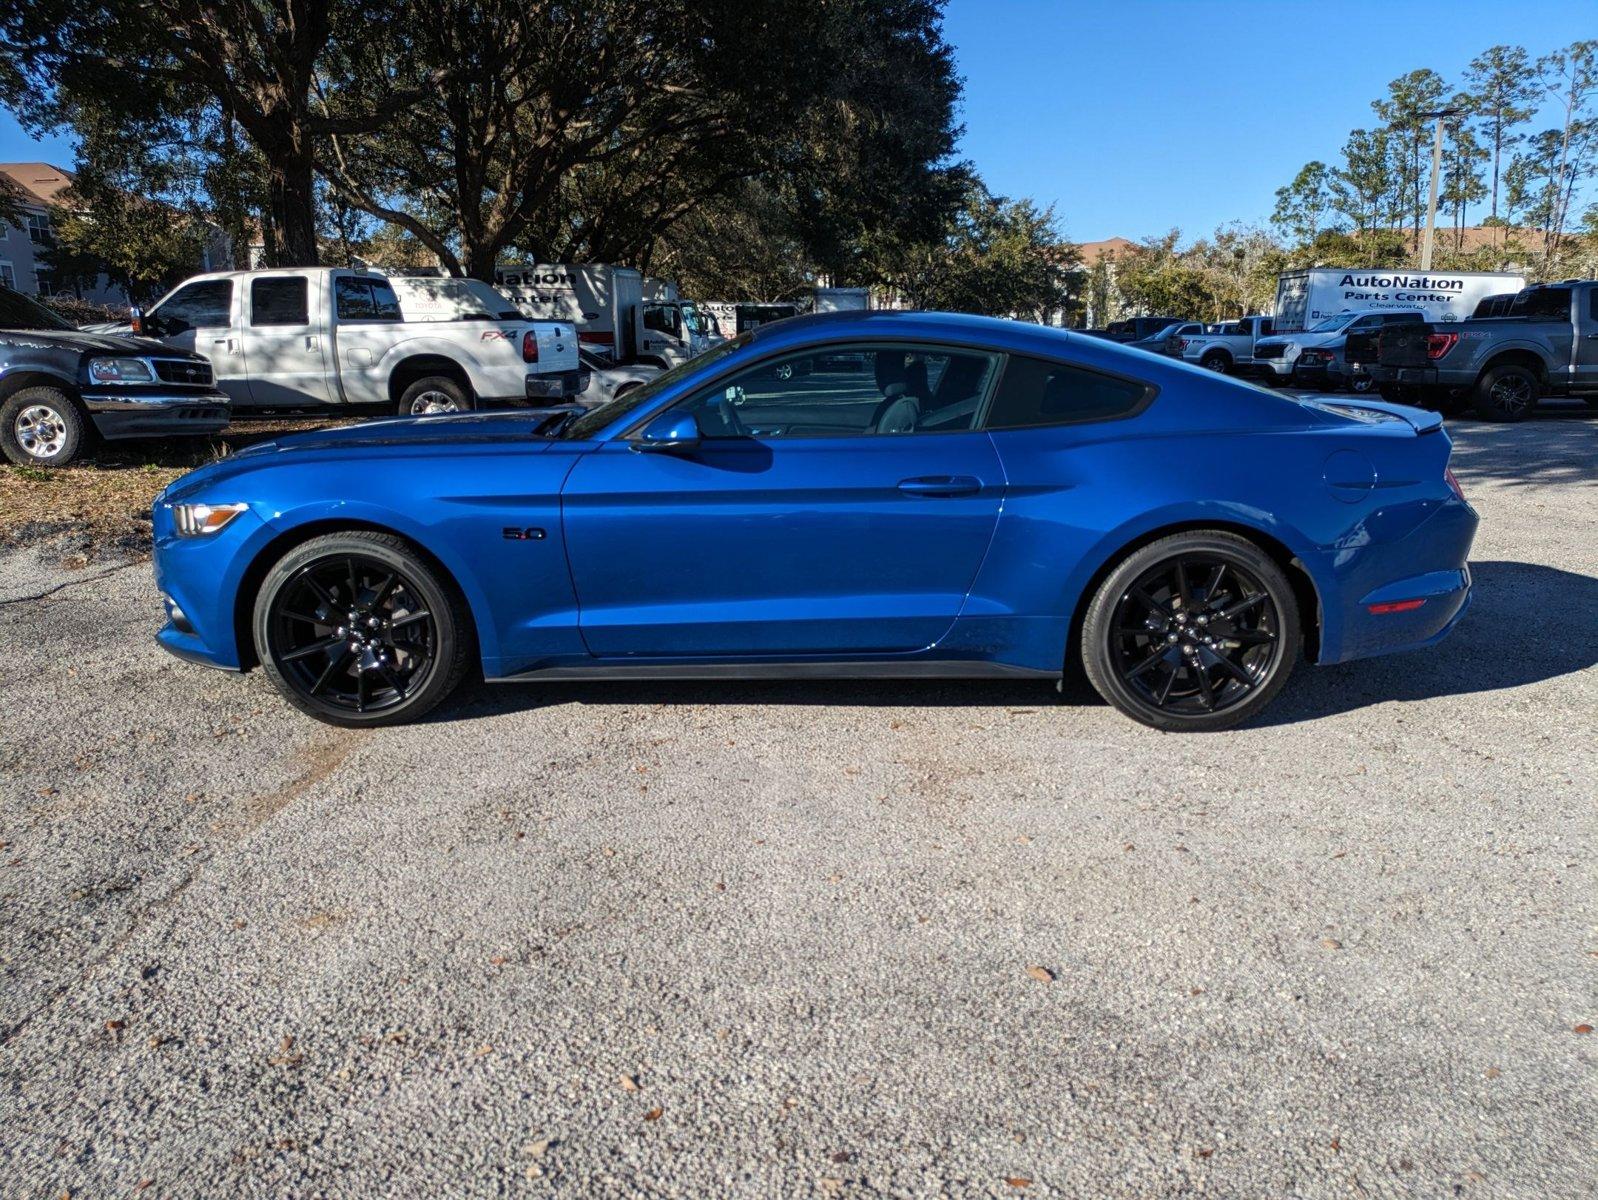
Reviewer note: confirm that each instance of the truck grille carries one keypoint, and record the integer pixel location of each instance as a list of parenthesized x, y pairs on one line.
[(1275, 351), (183, 370)]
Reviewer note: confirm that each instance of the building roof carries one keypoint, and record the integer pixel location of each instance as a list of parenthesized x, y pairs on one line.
[(40, 183), (1093, 251)]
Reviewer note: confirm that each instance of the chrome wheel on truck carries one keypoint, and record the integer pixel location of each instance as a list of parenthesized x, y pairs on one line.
[(40, 427)]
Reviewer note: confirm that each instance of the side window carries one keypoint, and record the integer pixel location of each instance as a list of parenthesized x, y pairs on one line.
[(207, 304), (1266, 329), (661, 318), (1365, 323), (365, 300), (850, 390), (279, 300), (1592, 303), (1033, 392)]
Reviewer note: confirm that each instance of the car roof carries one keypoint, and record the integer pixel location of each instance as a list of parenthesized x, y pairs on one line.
[(965, 328)]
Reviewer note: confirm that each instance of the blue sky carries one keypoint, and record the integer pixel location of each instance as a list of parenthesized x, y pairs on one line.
[(1137, 116), (1134, 117)]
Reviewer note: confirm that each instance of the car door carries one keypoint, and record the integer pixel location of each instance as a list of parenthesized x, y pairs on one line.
[(283, 347), (200, 317), (838, 503), (1585, 330)]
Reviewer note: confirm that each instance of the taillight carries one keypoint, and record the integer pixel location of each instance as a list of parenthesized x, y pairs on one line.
[(529, 346), (1439, 344), (1453, 482), (1181, 343)]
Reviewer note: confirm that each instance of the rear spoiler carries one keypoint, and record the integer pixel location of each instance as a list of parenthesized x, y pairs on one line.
[(1374, 412)]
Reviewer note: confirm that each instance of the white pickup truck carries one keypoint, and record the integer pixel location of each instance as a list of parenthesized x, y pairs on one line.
[(1227, 351), (318, 337)]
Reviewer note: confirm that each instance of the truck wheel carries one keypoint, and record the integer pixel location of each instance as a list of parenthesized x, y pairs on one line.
[(1215, 361), (434, 394), (41, 427), (1361, 385), (1506, 393)]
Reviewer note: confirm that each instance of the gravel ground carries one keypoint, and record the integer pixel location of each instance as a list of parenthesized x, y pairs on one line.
[(830, 939)]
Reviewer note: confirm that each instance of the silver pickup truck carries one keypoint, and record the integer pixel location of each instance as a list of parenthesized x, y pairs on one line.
[(1500, 366), (1227, 351)]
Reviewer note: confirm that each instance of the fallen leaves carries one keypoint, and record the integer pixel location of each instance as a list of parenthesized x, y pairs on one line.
[(1583, 1028), (1018, 1181), (1331, 943), (1041, 974), (654, 1114), (629, 1083)]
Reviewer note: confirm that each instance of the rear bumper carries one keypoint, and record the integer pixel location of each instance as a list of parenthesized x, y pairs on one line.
[(124, 415), (557, 386), (1279, 368), (1424, 377), (1428, 566)]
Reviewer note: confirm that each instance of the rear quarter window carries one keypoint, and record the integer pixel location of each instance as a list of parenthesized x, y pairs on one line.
[(1035, 392)]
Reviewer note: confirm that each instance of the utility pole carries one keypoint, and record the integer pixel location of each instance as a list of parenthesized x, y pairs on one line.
[(1437, 170)]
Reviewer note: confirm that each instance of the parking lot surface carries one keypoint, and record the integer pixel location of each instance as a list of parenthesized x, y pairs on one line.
[(823, 938)]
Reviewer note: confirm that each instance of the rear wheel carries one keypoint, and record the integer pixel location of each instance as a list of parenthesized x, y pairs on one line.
[(359, 629), (41, 427), (1216, 361), (434, 394), (1507, 393), (1197, 631), (1361, 385)]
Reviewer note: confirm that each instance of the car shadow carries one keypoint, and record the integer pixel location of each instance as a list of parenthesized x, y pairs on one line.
[(1557, 444), (1527, 623)]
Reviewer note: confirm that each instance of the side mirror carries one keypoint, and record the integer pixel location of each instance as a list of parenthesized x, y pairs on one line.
[(671, 432)]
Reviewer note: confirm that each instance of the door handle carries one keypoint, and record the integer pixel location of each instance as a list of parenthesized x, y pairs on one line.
[(310, 342), (228, 342), (941, 485)]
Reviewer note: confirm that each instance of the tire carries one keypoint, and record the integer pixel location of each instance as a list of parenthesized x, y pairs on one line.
[(1150, 659), (1361, 385), (1506, 393), (432, 395), (1216, 361), (41, 427), (338, 670)]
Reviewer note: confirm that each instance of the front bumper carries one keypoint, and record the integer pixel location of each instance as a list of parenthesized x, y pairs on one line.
[(558, 386), (151, 414)]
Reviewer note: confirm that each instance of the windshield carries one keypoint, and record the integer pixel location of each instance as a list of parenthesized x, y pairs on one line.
[(19, 312), (690, 317), (1332, 324), (592, 421)]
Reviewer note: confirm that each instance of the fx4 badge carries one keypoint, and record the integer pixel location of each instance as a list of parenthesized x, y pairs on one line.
[(531, 533)]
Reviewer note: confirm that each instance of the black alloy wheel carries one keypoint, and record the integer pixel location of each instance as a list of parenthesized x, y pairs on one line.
[(1507, 393), (358, 629), (1196, 631)]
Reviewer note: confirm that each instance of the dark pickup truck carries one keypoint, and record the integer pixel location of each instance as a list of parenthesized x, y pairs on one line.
[(59, 386), (1547, 345)]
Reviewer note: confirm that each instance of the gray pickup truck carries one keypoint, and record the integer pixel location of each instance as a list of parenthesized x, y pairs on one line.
[(1547, 345), (61, 388)]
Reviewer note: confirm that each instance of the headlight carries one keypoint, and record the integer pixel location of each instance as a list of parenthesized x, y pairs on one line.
[(120, 370), (202, 520), (1293, 351)]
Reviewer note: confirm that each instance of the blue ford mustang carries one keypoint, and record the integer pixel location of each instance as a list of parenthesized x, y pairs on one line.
[(860, 494)]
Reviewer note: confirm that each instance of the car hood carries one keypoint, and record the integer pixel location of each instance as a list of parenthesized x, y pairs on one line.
[(1304, 340), (438, 436), (104, 343)]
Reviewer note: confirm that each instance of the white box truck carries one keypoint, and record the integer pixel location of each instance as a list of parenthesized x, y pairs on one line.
[(607, 304), (840, 299), (1306, 298)]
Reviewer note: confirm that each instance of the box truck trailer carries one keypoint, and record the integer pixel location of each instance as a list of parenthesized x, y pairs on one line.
[(1306, 298), (607, 304)]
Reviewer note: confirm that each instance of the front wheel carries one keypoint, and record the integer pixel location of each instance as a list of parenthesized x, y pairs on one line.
[(41, 427), (1216, 362), (359, 629), (1361, 385), (435, 394), (1197, 631), (1507, 393)]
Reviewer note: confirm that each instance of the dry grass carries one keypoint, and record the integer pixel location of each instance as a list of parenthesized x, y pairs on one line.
[(102, 507)]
